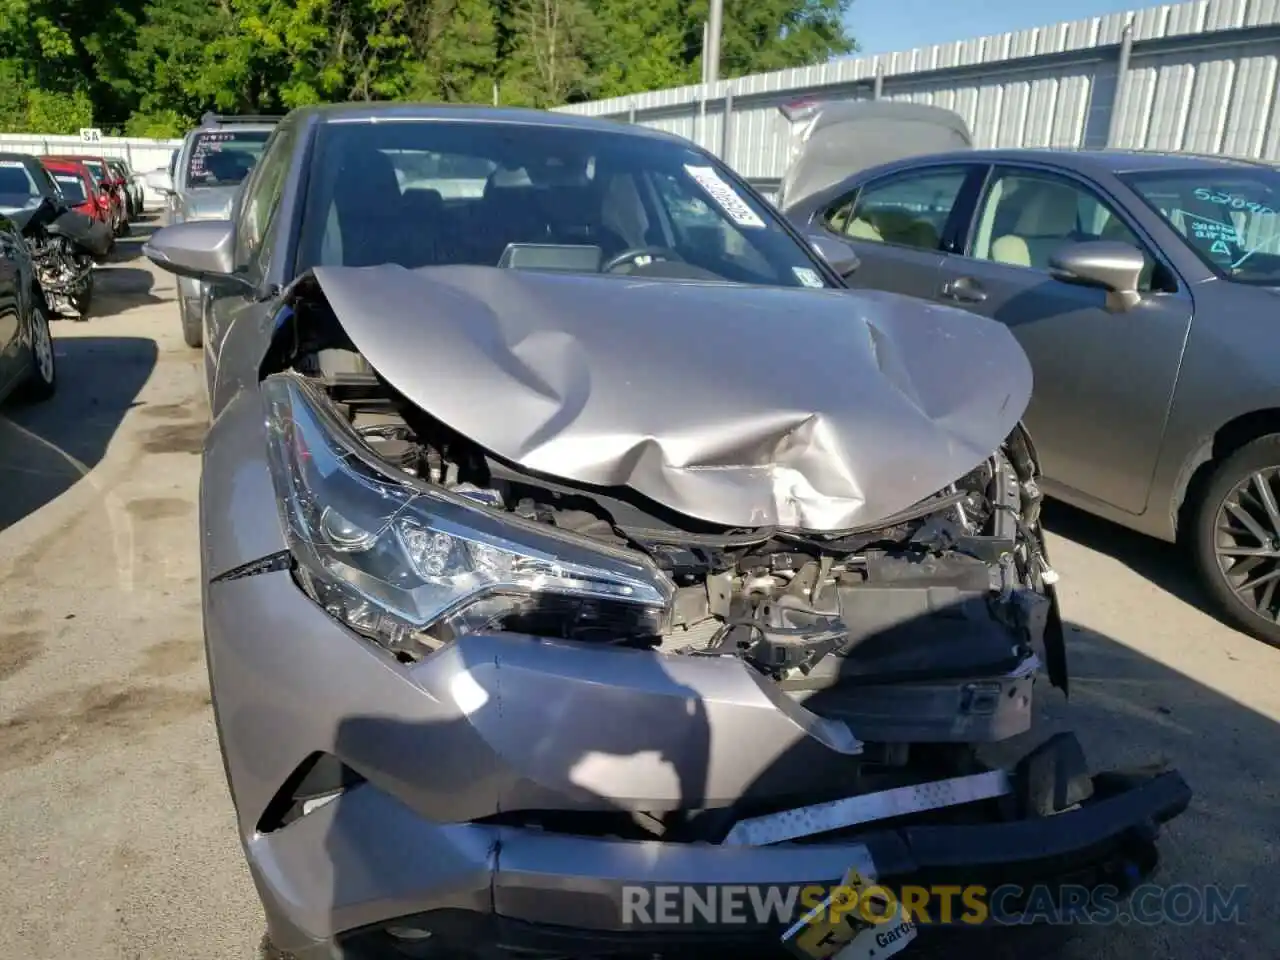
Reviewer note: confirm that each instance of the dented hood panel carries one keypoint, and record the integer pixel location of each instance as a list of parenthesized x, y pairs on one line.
[(737, 405)]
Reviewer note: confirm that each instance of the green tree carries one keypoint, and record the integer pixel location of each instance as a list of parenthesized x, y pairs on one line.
[(151, 67)]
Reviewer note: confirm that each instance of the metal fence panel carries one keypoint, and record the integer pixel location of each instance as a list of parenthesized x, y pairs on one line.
[(1198, 76)]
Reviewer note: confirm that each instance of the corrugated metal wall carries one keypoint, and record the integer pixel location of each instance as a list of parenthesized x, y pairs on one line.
[(1200, 76), (142, 155)]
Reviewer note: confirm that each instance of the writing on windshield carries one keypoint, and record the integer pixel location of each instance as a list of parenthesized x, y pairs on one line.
[(224, 157), (1230, 222)]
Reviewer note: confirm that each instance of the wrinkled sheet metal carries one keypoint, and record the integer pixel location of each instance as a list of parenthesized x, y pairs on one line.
[(90, 234), (738, 405)]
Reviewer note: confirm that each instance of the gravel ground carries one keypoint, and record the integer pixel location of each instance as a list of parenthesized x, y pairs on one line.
[(117, 834)]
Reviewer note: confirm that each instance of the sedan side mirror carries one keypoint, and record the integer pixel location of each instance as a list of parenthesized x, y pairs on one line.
[(1104, 264), (836, 252), (159, 181), (199, 249)]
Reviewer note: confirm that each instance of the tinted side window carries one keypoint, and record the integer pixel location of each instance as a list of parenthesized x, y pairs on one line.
[(261, 197), (908, 209), (1026, 217)]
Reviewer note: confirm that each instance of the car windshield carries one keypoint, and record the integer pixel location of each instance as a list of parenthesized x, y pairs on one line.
[(425, 193), (1226, 214), (221, 158), (17, 190), (72, 187), (96, 169)]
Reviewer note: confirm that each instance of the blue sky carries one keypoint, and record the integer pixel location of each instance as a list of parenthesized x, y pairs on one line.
[(883, 26)]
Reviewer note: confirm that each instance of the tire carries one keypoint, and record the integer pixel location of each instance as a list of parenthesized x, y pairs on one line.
[(192, 334), (42, 379), (1253, 464)]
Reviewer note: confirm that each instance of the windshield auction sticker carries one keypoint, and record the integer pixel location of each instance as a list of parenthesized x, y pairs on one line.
[(808, 277), (725, 196)]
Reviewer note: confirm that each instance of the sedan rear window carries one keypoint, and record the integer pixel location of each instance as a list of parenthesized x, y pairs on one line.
[(15, 181), (1229, 216), (72, 187), (220, 158)]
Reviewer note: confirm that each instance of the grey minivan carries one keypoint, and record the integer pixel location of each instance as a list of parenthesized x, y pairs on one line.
[(206, 172)]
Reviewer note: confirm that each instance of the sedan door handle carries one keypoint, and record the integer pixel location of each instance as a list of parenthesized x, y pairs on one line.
[(963, 290)]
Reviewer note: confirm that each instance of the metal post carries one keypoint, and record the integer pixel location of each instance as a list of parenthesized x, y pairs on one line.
[(631, 111), (495, 93), (706, 32), (711, 50), (1122, 77), (877, 88), (725, 121)]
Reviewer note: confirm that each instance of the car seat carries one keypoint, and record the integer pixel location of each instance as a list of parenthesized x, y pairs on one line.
[(859, 229), (1046, 219)]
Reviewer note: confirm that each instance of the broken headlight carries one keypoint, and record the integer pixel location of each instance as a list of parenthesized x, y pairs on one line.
[(411, 567)]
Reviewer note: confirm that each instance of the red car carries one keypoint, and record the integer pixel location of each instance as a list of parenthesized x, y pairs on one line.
[(109, 182), (80, 188)]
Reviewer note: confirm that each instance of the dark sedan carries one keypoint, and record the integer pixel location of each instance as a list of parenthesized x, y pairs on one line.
[(1140, 286)]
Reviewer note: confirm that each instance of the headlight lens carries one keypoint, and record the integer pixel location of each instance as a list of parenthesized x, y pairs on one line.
[(411, 567)]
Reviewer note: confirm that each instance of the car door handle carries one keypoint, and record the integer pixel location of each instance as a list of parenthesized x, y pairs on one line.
[(963, 290)]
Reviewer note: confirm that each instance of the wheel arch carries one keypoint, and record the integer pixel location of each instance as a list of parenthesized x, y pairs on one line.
[(1225, 441)]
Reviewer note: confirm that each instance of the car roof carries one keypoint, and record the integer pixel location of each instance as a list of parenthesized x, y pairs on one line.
[(64, 162), (1102, 161), (367, 112), (216, 122)]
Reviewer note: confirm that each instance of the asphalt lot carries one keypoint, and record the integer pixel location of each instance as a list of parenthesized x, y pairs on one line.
[(116, 830)]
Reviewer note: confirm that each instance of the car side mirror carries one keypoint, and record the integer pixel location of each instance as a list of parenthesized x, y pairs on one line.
[(199, 249), (836, 252), (159, 181), (1105, 264)]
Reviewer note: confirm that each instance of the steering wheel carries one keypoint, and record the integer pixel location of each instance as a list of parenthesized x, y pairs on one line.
[(628, 257)]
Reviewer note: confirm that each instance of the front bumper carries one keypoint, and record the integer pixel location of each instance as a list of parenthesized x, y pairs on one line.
[(436, 753), (587, 738), (506, 892)]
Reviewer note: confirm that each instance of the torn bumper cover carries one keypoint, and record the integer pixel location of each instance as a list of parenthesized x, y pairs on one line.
[(433, 799)]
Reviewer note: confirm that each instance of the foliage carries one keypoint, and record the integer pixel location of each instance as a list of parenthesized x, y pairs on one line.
[(151, 67)]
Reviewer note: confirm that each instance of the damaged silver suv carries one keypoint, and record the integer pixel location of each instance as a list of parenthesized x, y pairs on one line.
[(568, 531)]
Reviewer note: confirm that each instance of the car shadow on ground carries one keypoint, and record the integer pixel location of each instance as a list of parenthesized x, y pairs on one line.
[(118, 288), (130, 247), (1167, 565), (118, 285), (46, 448), (1127, 710)]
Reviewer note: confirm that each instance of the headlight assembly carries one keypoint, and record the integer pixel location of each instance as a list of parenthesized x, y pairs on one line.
[(411, 567)]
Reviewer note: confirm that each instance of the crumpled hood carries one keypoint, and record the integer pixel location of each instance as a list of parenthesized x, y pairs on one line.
[(208, 203), (742, 406)]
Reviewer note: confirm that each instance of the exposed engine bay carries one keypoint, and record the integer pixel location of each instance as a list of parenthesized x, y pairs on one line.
[(953, 588), (64, 274), (64, 245)]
